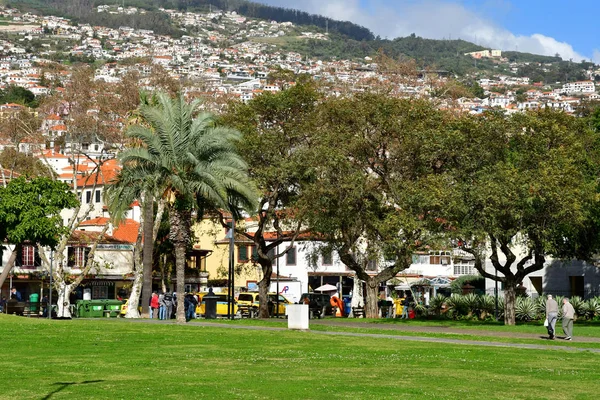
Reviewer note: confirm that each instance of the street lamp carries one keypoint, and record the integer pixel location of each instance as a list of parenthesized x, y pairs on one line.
[(277, 277), (496, 296), (230, 283), (49, 305)]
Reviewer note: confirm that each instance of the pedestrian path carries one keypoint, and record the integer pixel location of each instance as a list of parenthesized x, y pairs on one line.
[(348, 323), (419, 338)]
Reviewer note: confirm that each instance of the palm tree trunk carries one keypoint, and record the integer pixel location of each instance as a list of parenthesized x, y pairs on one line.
[(148, 248), (179, 234), (180, 273)]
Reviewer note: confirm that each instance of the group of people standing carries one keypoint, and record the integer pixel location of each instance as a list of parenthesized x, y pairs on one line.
[(568, 315), (162, 305)]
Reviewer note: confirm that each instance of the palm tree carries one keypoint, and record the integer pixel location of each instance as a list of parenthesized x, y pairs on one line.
[(194, 165)]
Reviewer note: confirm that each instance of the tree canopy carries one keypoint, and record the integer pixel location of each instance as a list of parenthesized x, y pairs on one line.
[(526, 186)]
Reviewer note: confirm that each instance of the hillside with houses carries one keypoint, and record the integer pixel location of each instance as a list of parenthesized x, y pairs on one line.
[(83, 82)]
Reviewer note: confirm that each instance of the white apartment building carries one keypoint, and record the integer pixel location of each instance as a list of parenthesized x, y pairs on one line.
[(579, 87)]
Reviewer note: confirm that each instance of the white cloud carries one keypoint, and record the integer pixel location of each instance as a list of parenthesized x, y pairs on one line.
[(434, 19)]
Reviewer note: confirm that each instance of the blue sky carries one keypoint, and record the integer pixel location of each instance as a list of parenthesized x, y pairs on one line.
[(569, 28)]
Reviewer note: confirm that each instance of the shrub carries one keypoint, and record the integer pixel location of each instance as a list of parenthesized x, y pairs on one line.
[(436, 304), (526, 309), (579, 306), (593, 307), (487, 305)]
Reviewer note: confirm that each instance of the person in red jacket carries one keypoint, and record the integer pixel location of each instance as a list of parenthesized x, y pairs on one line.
[(154, 305)]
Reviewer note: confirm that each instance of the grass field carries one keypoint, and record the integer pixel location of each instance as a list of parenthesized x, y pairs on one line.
[(120, 359)]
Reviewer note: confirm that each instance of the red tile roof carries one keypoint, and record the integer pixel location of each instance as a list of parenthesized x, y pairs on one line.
[(107, 174), (127, 231)]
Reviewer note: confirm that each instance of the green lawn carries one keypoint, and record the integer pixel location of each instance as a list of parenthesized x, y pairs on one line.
[(120, 359)]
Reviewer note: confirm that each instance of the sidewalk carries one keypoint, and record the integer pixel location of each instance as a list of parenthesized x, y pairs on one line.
[(349, 323), (332, 322)]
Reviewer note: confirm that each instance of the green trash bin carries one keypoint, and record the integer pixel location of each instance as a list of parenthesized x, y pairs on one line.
[(97, 308), (34, 300), (84, 308), (113, 308)]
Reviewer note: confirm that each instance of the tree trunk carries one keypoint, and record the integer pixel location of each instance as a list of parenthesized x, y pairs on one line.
[(148, 248), (371, 310), (134, 298), (263, 296), (509, 302), (163, 264), (357, 295), (180, 273), (9, 265), (62, 303)]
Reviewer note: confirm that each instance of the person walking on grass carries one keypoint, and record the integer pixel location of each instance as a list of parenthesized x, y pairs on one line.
[(551, 316), (568, 316)]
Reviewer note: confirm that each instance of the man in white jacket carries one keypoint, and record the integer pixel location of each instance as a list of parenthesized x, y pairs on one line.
[(568, 316)]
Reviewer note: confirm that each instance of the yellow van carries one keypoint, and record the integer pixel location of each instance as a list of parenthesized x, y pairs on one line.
[(248, 304), (221, 304)]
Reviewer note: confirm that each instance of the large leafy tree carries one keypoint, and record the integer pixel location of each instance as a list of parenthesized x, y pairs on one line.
[(380, 176), (30, 212), (526, 189), (193, 162), (276, 129)]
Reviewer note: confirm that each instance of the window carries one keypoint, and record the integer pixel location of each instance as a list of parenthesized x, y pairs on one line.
[(242, 254), (290, 256), (327, 258), (463, 267), (77, 256), (439, 257), (88, 196), (420, 259), (98, 195), (254, 253), (28, 256)]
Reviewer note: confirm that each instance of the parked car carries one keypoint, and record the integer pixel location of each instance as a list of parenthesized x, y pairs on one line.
[(221, 304), (125, 306), (318, 304), (249, 304)]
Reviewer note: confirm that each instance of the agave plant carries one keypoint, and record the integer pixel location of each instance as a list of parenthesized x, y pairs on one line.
[(578, 305), (437, 304), (593, 307), (456, 305), (525, 309), (540, 303), (421, 310), (471, 304), (487, 305)]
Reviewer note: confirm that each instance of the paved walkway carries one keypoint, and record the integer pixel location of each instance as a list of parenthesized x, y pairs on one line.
[(407, 327), (418, 338)]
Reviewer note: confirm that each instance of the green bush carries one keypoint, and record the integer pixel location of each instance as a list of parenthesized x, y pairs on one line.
[(436, 304), (526, 309)]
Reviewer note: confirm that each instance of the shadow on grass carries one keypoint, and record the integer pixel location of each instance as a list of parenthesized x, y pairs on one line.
[(63, 385)]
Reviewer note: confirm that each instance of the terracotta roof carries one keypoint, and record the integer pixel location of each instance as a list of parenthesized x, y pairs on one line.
[(58, 128), (87, 237), (107, 174), (100, 221), (127, 231)]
